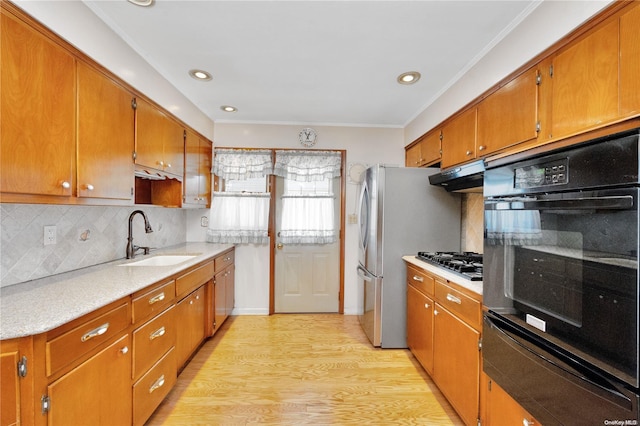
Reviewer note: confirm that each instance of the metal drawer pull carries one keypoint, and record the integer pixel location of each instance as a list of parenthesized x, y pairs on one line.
[(454, 299), (157, 298), (417, 278), (158, 333), (426, 305), (157, 384), (95, 332), (124, 350)]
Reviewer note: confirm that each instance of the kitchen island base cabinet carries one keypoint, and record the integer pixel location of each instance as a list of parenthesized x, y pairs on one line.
[(97, 392)]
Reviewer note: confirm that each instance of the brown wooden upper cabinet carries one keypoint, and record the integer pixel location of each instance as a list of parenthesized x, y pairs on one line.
[(159, 140), (584, 79), (197, 179), (38, 112), (105, 137), (630, 62), (425, 151), (509, 115), (459, 139)]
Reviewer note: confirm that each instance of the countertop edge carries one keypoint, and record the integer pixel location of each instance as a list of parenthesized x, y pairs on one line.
[(38, 306), (474, 286)]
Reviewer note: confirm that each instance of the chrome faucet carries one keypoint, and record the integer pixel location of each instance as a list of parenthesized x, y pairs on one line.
[(131, 248)]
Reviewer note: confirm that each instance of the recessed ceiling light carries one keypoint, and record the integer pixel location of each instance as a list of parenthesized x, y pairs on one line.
[(200, 75), (228, 108), (143, 3), (410, 77)]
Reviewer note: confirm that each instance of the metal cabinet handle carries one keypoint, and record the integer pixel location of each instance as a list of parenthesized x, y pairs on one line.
[(158, 333), (65, 184), (156, 299), (157, 384), (160, 163), (418, 278), (526, 422), (89, 187), (124, 350), (95, 332), (454, 299), (435, 312), (169, 165), (481, 148), (468, 152), (426, 306)]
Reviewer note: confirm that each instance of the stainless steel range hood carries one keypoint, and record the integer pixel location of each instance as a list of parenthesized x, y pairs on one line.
[(465, 178)]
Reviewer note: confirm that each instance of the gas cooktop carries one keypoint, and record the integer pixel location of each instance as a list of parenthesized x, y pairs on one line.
[(467, 264)]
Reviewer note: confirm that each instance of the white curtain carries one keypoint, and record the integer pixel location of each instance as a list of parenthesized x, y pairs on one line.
[(307, 166), (241, 164), (308, 211), (239, 218)]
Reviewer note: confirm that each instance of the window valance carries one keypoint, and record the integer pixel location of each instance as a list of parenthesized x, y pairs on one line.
[(241, 164), (307, 166)]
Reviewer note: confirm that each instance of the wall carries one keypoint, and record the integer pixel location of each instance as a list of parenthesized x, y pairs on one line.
[(363, 145), (86, 235)]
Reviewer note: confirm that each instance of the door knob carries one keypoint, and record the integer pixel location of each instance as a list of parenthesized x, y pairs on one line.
[(279, 246)]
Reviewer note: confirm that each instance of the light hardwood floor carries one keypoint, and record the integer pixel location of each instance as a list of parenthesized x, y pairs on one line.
[(306, 369)]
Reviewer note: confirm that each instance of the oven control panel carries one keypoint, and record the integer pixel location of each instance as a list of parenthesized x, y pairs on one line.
[(551, 173)]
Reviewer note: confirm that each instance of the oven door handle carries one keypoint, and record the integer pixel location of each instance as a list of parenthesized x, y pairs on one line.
[(623, 202)]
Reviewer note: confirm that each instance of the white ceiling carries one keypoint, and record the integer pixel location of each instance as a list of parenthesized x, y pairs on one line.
[(320, 62)]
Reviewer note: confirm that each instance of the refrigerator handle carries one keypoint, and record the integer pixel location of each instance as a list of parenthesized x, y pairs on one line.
[(362, 274)]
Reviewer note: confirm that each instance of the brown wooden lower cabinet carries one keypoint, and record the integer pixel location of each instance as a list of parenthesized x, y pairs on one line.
[(190, 314), (97, 392), (443, 333), (499, 408)]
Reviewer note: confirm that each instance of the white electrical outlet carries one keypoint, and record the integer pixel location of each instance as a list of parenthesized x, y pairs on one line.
[(353, 219), (50, 235), (204, 221)]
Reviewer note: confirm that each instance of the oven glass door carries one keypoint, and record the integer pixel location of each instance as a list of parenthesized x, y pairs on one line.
[(565, 265)]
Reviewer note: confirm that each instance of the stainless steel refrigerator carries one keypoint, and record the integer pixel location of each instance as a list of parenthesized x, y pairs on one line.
[(400, 213)]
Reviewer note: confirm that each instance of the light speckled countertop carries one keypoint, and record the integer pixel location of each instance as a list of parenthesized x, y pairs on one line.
[(475, 286), (41, 305)]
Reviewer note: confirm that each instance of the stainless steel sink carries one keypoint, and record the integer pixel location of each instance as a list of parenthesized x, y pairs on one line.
[(161, 260)]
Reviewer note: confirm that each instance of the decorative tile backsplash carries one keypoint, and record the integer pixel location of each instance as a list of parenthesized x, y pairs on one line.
[(472, 222), (86, 236)]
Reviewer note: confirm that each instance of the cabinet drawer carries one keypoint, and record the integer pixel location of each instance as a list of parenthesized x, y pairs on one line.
[(150, 390), (224, 260), (152, 340), (64, 349), (468, 309), (150, 302), (420, 280), (194, 279)]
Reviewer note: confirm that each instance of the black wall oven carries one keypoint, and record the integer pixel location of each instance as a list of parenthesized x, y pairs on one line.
[(561, 282)]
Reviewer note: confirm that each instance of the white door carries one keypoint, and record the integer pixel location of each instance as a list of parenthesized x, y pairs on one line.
[(307, 276)]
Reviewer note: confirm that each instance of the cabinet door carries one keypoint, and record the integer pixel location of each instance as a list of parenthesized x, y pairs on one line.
[(197, 179), (15, 389), (159, 140), (190, 318), (630, 62), (509, 115), (97, 392), (585, 83), (459, 139), (37, 124), (412, 156), (220, 298), (500, 408), (420, 327), (229, 290), (456, 363), (105, 137)]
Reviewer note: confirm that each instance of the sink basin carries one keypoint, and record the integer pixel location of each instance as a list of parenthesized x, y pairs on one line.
[(162, 260)]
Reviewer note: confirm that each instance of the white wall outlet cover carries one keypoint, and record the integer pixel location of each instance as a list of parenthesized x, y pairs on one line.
[(50, 237)]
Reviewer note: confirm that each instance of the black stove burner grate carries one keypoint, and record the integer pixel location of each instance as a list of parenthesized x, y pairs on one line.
[(467, 264)]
